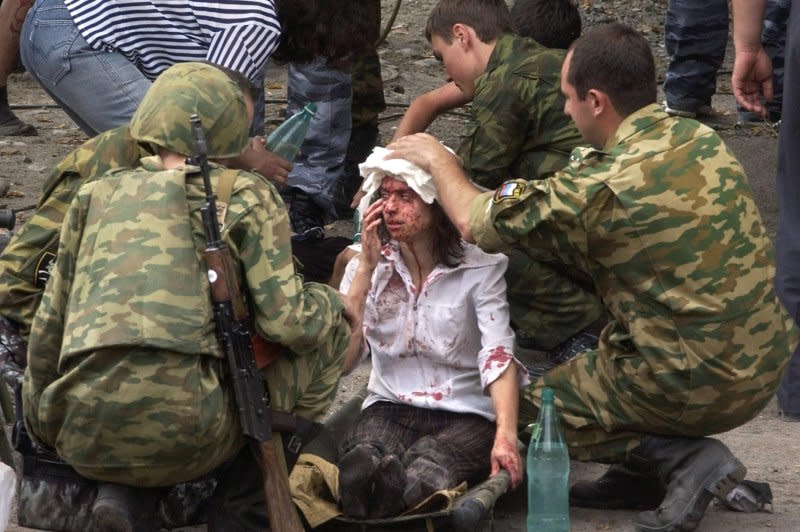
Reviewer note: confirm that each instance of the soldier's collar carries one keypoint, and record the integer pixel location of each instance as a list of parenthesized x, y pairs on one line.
[(634, 123)]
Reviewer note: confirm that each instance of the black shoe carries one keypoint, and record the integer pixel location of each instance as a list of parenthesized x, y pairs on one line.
[(304, 214), (566, 350), (695, 470), (356, 471), (389, 484), (14, 127), (620, 488), (119, 508)]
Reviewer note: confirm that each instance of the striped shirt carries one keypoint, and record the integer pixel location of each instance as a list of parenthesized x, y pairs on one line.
[(156, 34)]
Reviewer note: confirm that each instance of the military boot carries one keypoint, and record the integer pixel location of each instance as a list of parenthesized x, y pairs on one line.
[(620, 488), (694, 470), (119, 508)]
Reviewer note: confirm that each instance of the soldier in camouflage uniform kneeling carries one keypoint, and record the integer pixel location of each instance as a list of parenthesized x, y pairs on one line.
[(659, 214), (126, 379)]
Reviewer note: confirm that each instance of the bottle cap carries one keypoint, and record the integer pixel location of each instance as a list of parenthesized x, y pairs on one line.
[(311, 108), (548, 394)]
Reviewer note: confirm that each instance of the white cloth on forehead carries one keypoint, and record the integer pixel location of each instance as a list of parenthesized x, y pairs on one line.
[(375, 168)]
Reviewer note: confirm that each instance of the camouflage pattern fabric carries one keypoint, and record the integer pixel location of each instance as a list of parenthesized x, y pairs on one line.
[(368, 99), (664, 222), (125, 377), (518, 129), (162, 117), (25, 263)]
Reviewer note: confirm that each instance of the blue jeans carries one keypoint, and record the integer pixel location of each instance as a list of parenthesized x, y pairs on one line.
[(321, 158), (98, 89), (695, 34), (787, 240)]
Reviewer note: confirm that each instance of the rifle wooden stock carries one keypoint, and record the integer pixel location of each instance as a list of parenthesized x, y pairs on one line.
[(282, 512)]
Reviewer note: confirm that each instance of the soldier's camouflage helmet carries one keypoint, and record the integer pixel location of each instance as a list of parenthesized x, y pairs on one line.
[(193, 88)]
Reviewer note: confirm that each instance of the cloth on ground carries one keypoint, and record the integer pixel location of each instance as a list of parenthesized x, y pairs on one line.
[(314, 485)]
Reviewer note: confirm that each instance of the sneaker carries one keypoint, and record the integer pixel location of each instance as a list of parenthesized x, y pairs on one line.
[(14, 127), (704, 110), (751, 119)]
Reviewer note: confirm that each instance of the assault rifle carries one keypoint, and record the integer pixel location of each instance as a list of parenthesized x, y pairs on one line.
[(233, 328)]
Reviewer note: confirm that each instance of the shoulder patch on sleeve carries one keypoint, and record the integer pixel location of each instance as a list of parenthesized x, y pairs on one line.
[(509, 190)]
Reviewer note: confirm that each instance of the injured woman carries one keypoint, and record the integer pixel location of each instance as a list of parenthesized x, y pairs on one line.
[(443, 392)]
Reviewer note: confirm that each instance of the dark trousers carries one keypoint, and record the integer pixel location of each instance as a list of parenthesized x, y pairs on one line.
[(787, 242)]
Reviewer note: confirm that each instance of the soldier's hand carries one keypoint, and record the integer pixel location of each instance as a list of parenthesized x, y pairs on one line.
[(423, 150), (256, 158)]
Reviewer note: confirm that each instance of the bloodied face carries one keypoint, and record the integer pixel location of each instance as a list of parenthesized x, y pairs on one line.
[(405, 214)]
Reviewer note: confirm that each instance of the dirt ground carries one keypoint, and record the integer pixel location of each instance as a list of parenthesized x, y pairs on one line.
[(769, 447)]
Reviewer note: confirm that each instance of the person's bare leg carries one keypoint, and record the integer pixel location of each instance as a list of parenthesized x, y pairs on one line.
[(12, 15)]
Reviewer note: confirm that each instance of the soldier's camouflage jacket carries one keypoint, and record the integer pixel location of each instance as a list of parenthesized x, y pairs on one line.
[(517, 126), (26, 261), (664, 222), (124, 367)]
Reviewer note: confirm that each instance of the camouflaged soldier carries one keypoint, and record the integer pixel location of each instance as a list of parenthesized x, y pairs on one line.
[(660, 215), (516, 129), (125, 376)]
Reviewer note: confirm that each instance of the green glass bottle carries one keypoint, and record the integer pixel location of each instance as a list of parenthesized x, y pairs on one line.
[(287, 138), (548, 471)]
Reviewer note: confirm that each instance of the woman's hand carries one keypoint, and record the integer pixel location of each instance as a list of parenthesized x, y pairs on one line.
[(506, 456), (370, 240)]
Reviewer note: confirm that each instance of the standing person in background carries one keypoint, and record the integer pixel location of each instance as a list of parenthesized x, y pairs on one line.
[(348, 92), (754, 87), (12, 15), (696, 35)]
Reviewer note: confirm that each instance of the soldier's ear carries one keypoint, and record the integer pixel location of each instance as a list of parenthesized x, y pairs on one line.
[(461, 34), (599, 101)]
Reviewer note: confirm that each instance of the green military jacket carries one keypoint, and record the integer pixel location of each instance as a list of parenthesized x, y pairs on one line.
[(26, 261), (663, 221), (125, 330), (517, 127)]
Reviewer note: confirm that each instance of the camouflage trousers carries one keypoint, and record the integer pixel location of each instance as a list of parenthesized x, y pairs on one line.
[(546, 302), (368, 99), (611, 397)]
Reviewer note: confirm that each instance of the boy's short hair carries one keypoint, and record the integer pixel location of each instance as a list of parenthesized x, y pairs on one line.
[(617, 60), (551, 23), (489, 19)]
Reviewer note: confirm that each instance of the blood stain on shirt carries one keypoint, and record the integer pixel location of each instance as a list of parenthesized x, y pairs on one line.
[(498, 356)]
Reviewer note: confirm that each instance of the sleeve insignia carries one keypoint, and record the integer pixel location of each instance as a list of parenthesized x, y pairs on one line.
[(509, 190)]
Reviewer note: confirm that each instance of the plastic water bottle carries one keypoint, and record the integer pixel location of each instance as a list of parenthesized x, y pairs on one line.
[(548, 472), (287, 138)]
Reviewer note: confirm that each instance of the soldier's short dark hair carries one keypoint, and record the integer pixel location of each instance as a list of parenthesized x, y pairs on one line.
[(551, 23), (616, 59), (338, 30), (489, 18)]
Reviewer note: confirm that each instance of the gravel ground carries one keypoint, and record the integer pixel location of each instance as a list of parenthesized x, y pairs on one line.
[(769, 447)]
